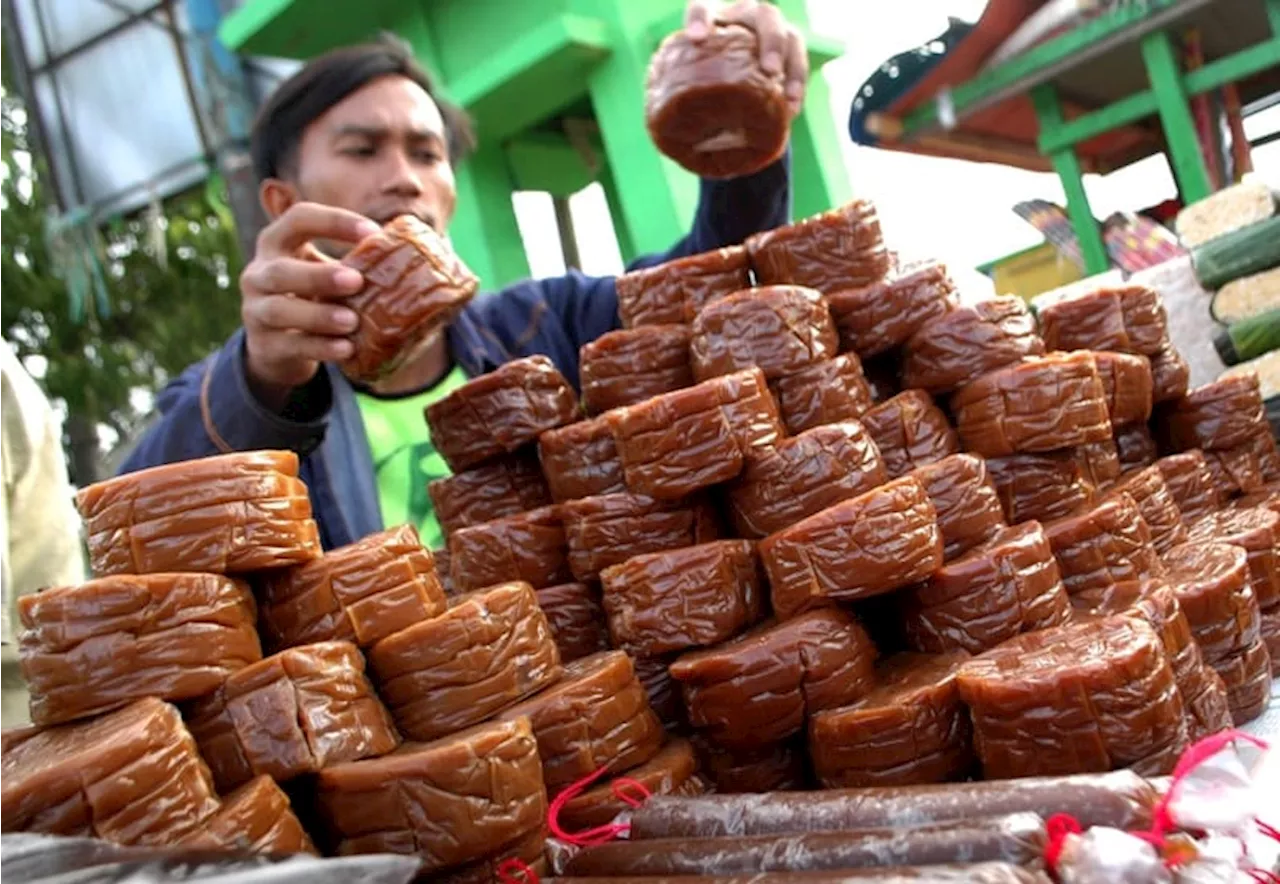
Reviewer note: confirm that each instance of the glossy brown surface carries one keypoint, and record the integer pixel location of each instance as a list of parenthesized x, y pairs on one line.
[(825, 393), (1135, 448), (448, 802), (597, 715), (1149, 491), (414, 286), (1007, 586), (673, 771), (529, 849), (1042, 486), (609, 529), (1257, 532), (1041, 404), (132, 776), (936, 873), (711, 107), (1270, 633), (1190, 483), (1126, 380), (630, 365), (802, 476), (497, 413), (1126, 318), (294, 713), (502, 487), (664, 693), (490, 649), (1235, 470), (911, 729), (256, 817), (1266, 496), (678, 443), (1222, 414), (833, 250), (1018, 839), (1078, 698), (1099, 462), (674, 292), (875, 543), (758, 689), (1212, 583), (91, 648), (910, 431), (581, 460), (780, 329), (1103, 545), (576, 619), (965, 500), (528, 547), (1170, 375), (441, 557), (1247, 676), (361, 593), (878, 315), (766, 769), (663, 602), (968, 341)]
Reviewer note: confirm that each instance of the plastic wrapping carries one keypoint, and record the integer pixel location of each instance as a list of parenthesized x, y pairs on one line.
[(968, 341), (597, 715), (911, 729), (664, 602), (441, 558), (1269, 630), (1135, 447), (1247, 676), (414, 286), (1219, 415), (877, 315), (502, 487), (1170, 375), (1126, 318), (678, 443), (132, 776), (528, 547), (1099, 462), (103, 644), (630, 365), (1017, 838), (1087, 696), (1102, 855), (965, 500), (758, 689), (1042, 487), (576, 619), (802, 476), (1126, 380), (528, 849), (711, 107), (1103, 546), (827, 392), (939, 873), (674, 292), (581, 460), (1147, 488), (875, 543), (664, 693), (361, 593), (1041, 404), (1235, 470), (490, 649), (780, 329), (1190, 483), (609, 529), (833, 250), (754, 771), (497, 413), (1214, 590), (449, 802), (1267, 496), (256, 817), (910, 431), (1257, 531), (294, 713), (226, 514), (672, 771)]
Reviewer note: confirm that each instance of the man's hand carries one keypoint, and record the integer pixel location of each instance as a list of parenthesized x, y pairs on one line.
[(782, 49), (289, 294)]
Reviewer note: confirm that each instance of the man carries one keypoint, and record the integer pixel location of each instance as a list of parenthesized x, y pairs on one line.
[(352, 140), (37, 517)]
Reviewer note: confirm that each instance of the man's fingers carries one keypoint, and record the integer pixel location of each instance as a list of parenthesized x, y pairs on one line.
[(797, 70), (770, 28), (285, 313), (303, 222), (307, 279), (697, 19), (284, 348)]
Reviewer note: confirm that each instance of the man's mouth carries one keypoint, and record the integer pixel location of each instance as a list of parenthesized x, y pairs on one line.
[(425, 217)]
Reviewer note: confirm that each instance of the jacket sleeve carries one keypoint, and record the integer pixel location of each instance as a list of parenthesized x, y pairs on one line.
[(209, 409)]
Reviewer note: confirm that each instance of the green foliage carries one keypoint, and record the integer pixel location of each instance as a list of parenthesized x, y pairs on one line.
[(171, 294)]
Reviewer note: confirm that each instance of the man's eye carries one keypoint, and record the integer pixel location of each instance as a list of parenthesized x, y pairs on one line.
[(361, 150), (428, 156)]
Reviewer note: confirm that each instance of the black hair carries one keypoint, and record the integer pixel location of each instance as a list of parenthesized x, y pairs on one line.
[(328, 79)]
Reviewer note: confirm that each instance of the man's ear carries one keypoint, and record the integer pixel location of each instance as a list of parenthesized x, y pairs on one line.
[(276, 196)]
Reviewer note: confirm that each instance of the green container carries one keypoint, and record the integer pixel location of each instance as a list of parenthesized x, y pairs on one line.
[(1249, 338)]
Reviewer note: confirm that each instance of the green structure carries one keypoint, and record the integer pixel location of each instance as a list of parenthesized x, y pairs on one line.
[(556, 88)]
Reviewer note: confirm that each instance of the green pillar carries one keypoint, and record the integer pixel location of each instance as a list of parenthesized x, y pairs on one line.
[(818, 177), (1175, 117), (626, 245), (1067, 165), (484, 229)]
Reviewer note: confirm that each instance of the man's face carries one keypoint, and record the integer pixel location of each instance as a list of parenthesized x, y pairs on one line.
[(382, 152)]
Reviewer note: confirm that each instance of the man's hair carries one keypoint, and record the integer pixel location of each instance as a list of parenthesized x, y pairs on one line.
[(326, 80)]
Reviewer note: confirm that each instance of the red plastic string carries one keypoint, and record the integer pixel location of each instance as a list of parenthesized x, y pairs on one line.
[(516, 871), (1058, 827), (620, 789), (1195, 755), (1262, 876), (587, 837)]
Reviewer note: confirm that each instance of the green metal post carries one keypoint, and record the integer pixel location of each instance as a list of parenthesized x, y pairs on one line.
[(1067, 165), (1175, 116), (626, 245), (1273, 16), (484, 229)]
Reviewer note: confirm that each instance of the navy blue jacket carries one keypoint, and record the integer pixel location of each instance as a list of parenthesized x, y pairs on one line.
[(209, 408)]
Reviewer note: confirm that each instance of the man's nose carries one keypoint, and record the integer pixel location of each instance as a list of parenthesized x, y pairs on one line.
[(404, 177)]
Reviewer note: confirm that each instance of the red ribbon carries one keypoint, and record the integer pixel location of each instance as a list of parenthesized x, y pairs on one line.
[(1058, 827), (600, 834), (516, 871)]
